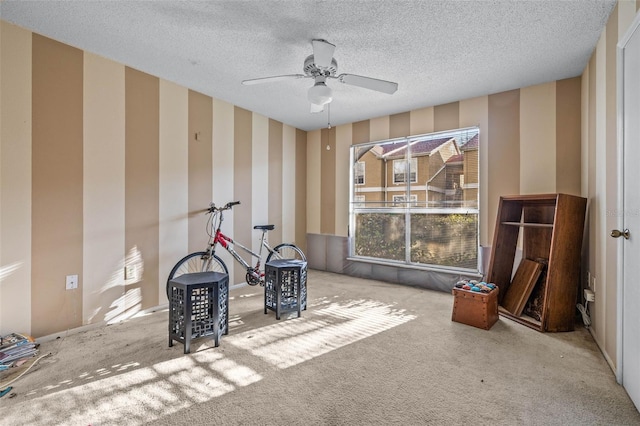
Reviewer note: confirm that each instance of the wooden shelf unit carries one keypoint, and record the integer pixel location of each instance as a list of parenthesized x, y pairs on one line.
[(552, 226)]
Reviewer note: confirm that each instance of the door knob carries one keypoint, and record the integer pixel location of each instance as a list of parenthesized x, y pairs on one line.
[(617, 234)]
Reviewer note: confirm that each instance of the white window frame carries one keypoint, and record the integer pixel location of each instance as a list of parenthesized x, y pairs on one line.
[(356, 175), (401, 200), (396, 205), (413, 170)]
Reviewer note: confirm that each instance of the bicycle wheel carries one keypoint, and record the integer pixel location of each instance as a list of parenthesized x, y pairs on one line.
[(197, 262), (286, 251)]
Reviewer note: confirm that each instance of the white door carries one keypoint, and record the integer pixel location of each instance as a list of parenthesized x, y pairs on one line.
[(629, 58)]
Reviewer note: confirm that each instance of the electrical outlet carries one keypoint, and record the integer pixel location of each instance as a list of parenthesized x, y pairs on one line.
[(129, 272), (593, 284), (72, 282), (588, 279), (589, 295)]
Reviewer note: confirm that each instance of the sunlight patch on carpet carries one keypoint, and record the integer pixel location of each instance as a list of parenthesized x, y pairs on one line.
[(325, 329), (139, 396)]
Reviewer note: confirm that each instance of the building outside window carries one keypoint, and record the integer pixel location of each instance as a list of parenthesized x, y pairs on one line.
[(401, 200), (421, 204), (359, 201)]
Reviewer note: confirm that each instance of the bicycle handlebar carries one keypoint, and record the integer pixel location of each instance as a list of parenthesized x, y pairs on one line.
[(212, 207)]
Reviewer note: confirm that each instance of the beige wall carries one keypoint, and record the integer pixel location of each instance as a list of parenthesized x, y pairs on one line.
[(223, 166), (100, 168), (199, 165), (15, 178), (275, 178), (301, 161), (599, 153), (344, 135), (504, 118), (56, 188), (174, 180), (242, 171), (103, 189), (568, 154), (314, 185), (538, 139), (328, 181), (142, 187), (260, 172)]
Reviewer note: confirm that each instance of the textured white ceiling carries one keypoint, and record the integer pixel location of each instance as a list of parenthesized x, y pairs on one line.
[(438, 51)]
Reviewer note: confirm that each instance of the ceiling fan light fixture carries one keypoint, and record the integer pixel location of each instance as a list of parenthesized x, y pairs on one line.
[(320, 94), (320, 66)]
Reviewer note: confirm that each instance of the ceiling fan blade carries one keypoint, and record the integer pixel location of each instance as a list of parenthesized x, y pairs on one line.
[(273, 79), (322, 52), (316, 108), (369, 83)]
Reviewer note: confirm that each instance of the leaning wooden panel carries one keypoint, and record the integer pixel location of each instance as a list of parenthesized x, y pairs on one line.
[(522, 285)]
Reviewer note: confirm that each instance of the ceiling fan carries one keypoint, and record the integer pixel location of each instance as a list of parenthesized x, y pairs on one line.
[(321, 66)]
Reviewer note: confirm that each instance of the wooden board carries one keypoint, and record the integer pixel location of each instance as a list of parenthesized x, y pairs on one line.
[(521, 287)]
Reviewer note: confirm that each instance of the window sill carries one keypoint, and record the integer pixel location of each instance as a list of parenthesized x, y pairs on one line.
[(402, 265)]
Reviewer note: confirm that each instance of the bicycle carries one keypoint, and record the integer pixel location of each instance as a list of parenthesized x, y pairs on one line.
[(208, 260)]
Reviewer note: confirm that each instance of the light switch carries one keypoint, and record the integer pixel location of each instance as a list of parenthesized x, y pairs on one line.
[(72, 282)]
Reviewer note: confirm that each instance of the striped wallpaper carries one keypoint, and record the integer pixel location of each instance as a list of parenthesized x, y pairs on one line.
[(56, 190), (529, 143), (600, 176), (105, 168)]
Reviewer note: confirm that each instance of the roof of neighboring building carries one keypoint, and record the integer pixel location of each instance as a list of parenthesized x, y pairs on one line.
[(417, 148), (472, 144), (455, 159)]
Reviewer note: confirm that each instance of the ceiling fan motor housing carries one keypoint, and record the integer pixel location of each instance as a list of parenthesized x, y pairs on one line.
[(311, 69)]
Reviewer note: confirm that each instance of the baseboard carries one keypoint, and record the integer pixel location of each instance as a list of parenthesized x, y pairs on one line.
[(612, 366), (93, 326)]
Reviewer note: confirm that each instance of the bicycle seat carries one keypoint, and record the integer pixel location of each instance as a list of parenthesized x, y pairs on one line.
[(265, 227)]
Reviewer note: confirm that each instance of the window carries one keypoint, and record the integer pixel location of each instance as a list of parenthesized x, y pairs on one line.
[(401, 200), (358, 173), (400, 170), (429, 221)]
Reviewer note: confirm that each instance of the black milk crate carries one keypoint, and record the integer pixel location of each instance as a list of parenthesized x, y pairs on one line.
[(285, 286), (198, 307)]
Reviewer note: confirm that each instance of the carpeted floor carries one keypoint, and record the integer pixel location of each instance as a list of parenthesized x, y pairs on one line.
[(363, 353)]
